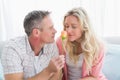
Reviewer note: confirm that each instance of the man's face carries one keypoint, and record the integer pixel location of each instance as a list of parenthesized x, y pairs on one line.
[(48, 31)]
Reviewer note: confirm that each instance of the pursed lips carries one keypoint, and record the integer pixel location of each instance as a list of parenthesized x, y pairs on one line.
[(70, 35)]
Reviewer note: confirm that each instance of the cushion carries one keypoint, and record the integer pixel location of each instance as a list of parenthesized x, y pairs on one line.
[(1, 69), (1, 72), (111, 67)]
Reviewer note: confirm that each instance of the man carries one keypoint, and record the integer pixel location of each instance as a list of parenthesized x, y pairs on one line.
[(35, 56)]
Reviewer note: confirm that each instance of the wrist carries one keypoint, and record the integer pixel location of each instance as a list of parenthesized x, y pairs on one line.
[(48, 72)]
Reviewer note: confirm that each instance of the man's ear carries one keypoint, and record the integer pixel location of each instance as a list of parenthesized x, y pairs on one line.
[(36, 32)]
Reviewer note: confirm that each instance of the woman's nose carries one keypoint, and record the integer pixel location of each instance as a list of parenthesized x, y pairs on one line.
[(69, 30)]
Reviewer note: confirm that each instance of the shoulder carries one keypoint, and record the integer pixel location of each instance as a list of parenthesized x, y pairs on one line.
[(15, 44), (59, 42), (101, 52), (16, 41), (50, 46), (51, 49)]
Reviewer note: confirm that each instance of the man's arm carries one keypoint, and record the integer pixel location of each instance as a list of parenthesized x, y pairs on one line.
[(15, 76), (44, 75), (54, 66), (57, 76)]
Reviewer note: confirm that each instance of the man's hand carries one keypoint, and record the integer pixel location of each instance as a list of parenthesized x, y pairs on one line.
[(56, 63)]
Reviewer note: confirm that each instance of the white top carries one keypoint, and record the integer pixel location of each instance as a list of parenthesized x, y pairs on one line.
[(74, 70), (18, 57)]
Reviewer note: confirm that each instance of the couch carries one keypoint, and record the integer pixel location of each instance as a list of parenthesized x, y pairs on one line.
[(111, 67)]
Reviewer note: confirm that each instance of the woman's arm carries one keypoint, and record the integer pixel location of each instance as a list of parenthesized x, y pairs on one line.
[(89, 78), (96, 71)]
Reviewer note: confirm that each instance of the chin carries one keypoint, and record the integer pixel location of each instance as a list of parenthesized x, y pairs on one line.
[(51, 41), (71, 40)]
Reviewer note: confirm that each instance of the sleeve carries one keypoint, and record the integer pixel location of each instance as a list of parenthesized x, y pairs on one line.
[(60, 47), (61, 51), (11, 61), (97, 68)]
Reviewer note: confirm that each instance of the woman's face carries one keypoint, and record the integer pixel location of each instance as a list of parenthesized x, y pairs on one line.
[(73, 28)]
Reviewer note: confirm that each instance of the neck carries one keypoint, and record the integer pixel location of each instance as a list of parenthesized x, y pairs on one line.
[(36, 45)]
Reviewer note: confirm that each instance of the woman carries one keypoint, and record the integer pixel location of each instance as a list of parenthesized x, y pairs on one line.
[(84, 52)]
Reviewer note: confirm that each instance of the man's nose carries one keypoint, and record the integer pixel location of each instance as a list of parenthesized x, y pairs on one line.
[(54, 30)]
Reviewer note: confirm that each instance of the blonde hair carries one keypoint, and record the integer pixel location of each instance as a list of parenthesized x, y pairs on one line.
[(88, 41)]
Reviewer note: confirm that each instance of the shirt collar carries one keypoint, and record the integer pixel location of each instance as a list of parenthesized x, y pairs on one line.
[(29, 49)]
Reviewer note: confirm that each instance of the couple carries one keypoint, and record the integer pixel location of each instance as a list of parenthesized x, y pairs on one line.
[(36, 56)]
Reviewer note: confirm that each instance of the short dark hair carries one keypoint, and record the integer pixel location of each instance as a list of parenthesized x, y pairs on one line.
[(32, 19)]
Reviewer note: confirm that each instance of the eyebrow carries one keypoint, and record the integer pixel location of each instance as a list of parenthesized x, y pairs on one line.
[(72, 24)]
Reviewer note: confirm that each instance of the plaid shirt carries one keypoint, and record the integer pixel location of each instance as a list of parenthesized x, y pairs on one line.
[(19, 57)]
